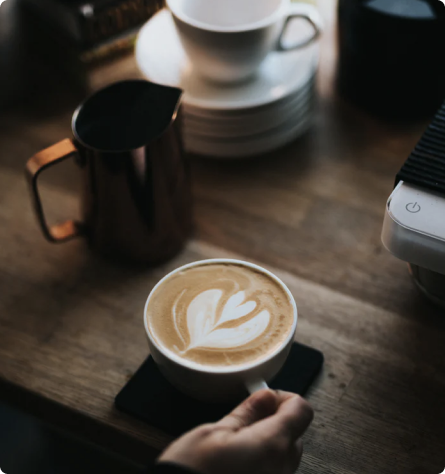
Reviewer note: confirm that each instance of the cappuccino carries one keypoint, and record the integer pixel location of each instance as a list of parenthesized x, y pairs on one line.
[(220, 314)]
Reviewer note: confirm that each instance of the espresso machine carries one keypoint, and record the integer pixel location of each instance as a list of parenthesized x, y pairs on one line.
[(414, 223), (391, 64)]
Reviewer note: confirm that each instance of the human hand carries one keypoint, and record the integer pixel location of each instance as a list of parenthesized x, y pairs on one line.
[(261, 436)]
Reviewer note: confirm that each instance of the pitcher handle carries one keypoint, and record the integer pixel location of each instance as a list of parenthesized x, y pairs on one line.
[(35, 165)]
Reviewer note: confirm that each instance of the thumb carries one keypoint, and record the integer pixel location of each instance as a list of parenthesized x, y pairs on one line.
[(258, 406)]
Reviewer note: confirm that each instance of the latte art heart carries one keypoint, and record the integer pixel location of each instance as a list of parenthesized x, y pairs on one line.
[(220, 314), (206, 326)]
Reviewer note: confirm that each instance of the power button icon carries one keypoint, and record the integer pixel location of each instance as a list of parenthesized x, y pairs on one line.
[(413, 207)]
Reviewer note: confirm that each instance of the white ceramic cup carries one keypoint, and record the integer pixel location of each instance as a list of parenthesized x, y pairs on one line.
[(226, 40), (218, 384)]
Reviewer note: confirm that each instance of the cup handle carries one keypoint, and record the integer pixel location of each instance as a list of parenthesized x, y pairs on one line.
[(309, 13), (35, 165), (256, 385)]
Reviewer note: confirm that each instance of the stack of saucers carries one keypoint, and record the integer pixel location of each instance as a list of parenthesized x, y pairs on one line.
[(233, 121)]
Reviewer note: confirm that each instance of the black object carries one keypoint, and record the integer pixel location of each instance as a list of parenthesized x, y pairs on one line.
[(87, 23), (391, 58), (425, 166), (151, 398)]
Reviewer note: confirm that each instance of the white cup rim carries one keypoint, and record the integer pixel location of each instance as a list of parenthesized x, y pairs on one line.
[(222, 370), (265, 22)]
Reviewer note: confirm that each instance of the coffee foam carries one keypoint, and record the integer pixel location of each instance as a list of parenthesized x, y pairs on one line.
[(220, 314)]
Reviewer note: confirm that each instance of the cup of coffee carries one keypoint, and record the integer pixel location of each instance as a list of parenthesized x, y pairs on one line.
[(218, 329), (226, 40)]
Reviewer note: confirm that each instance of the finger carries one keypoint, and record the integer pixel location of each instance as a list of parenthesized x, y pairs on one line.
[(296, 454), (291, 420), (257, 407)]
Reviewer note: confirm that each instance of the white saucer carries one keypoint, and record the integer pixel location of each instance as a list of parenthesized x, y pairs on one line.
[(161, 59), (246, 148), (243, 126), (244, 115)]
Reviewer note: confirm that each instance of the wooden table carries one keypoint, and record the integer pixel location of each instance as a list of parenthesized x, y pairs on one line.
[(71, 330)]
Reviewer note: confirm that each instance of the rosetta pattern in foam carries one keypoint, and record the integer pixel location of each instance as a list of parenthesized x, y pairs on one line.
[(207, 328)]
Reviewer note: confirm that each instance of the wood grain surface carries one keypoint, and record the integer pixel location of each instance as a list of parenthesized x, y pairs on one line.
[(71, 331)]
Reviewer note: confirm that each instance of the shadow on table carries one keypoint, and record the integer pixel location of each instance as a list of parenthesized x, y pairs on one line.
[(28, 446)]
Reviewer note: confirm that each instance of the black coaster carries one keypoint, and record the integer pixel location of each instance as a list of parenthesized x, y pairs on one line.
[(151, 398)]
